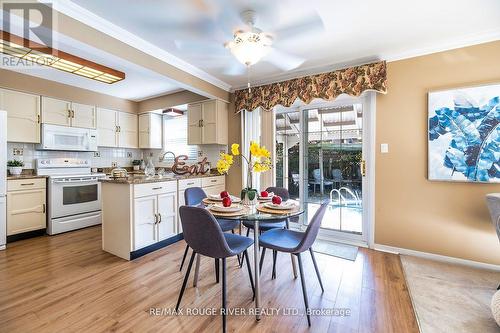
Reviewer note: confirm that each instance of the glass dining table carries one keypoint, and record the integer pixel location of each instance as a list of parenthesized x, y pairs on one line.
[(253, 214)]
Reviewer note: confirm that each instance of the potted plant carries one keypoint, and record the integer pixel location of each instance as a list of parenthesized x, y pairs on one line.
[(15, 167), (136, 164), (259, 160)]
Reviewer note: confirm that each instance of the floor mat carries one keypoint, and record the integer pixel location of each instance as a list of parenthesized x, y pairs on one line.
[(450, 298), (343, 251)]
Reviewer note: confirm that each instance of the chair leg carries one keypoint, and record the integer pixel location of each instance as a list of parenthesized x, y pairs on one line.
[(248, 231), (316, 269), (185, 281), (287, 222), (184, 257), (304, 291), (275, 254), (245, 254), (224, 295), (217, 270), (232, 231), (262, 259), (294, 265)]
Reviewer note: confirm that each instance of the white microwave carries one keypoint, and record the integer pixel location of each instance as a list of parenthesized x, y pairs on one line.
[(65, 138)]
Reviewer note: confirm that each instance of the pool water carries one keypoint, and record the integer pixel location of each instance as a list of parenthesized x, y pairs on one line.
[(340, 217)]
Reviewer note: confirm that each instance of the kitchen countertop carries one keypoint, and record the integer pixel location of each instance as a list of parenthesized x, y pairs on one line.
[(141, 179), (25, 176)]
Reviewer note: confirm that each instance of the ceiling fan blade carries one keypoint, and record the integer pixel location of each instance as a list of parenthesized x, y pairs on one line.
[(234, 69), (282, 60), (312, 24), (205, 49)]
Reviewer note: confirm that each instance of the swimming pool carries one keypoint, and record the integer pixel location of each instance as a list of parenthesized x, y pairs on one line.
[(340, 217)]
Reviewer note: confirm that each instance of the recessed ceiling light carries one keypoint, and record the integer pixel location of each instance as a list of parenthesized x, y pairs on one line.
[(15, 46)]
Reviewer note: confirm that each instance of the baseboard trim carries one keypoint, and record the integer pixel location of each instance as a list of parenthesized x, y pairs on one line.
[(3, 247), (437, 257), (151, 248)]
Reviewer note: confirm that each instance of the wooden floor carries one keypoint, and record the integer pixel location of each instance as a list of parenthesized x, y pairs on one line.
[(66, 283)]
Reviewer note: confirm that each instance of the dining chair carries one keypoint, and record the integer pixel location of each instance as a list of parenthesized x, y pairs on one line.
[(194, 196), (204, 235), (295, 242)]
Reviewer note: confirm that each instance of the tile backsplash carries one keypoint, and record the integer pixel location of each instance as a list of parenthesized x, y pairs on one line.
[(27, 153)]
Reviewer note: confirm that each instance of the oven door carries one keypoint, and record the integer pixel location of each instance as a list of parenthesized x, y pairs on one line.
[(71, 196)]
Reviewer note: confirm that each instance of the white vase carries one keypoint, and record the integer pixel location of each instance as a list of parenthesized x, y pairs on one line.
[(15, 171)]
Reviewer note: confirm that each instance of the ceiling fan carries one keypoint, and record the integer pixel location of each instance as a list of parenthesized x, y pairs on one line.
[(250, 44)]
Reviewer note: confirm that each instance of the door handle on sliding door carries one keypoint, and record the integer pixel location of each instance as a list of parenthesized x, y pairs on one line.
[(363, 168)]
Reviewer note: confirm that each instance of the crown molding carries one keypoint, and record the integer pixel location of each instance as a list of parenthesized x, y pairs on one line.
[(469, 40), (85, 16)]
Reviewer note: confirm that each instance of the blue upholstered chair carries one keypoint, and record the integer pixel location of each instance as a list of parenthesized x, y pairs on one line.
[(204, 235), (263, 225), (194, 196), (295, 242)]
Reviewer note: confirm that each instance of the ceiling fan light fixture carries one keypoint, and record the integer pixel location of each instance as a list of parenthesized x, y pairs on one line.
[(249, 47)]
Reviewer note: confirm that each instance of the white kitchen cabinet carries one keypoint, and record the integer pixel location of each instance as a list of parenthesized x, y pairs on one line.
[(56, 111), (167, 214), (116, 129), (213, 185), (150, 130), (183, 185), (145, 220), (207, 122), (64, 113), (107, 131), (26, 205), (83, 115), (127, 130), (23, 116)]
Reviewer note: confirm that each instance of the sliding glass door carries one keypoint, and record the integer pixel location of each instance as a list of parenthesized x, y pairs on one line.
[(321, 156)]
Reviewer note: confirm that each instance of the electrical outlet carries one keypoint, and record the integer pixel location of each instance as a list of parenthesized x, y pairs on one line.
[(97, 154), (114, 164), (200, 153), (17, 151), (150, 154), (129, 154)]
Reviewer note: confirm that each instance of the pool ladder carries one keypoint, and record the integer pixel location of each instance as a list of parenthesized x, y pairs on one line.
[(355, 198)]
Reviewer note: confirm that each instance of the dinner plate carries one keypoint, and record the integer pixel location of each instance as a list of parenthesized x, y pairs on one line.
[(222, 209), (269, 197), (282, 206), (216, 197)]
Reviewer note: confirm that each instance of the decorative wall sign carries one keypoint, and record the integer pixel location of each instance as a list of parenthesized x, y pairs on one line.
[(180, 167), (464, 134)]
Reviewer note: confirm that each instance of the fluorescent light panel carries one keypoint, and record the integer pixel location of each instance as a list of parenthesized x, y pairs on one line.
[(58, 59)]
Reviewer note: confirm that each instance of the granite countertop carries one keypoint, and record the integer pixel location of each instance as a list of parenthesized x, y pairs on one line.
[(141, 179), (24, 176)]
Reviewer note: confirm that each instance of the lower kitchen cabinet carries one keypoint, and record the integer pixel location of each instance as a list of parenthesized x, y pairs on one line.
[(26, 206)]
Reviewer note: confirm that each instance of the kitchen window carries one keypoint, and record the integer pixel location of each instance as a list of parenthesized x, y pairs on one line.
[(175, 138)]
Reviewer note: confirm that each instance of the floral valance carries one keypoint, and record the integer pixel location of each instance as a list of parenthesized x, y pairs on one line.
[(327, 86)]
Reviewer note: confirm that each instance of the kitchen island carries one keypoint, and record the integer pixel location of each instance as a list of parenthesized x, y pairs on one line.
[(140, 214)]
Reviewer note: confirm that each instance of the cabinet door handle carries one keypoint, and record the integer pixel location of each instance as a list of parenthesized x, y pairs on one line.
[(214, 181), (159, 216), (43, 208), (69, 113), (156, 219), (201, 123), (38, 118), (157, 188), (28, 184), (190, 184)]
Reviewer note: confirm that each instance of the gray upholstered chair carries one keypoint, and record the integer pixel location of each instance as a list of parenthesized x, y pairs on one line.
[(295, 242), (194, 196), (204, 235)]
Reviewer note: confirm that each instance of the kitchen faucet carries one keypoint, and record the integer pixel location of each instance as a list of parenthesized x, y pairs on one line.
[(162, 155)]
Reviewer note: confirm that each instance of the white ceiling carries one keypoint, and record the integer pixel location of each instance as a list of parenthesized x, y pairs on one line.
[(354, 31), (140, 83)]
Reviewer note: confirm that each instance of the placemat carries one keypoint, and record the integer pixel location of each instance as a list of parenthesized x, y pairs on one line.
[(208, 201), (263, 209)]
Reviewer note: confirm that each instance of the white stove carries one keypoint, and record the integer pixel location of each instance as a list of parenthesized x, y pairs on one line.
[(74, 194)]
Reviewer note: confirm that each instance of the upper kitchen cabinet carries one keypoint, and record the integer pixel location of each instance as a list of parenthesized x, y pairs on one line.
[(150, 130), (127, 130), (23, 115), (64, 113), (116, 129), (107, 128), (207, 122)]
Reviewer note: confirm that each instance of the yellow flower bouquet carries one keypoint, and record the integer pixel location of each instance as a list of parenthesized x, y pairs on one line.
[(259, 160)]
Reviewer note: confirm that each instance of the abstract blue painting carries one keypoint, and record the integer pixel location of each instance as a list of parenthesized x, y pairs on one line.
[(464, 134)]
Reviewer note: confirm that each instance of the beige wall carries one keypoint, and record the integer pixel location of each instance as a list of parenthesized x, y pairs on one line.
[(38, 86), (234, 136), (166, 101), (449, 219)]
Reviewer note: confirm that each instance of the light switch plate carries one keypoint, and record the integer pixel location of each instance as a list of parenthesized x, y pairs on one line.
[(384, 148)]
